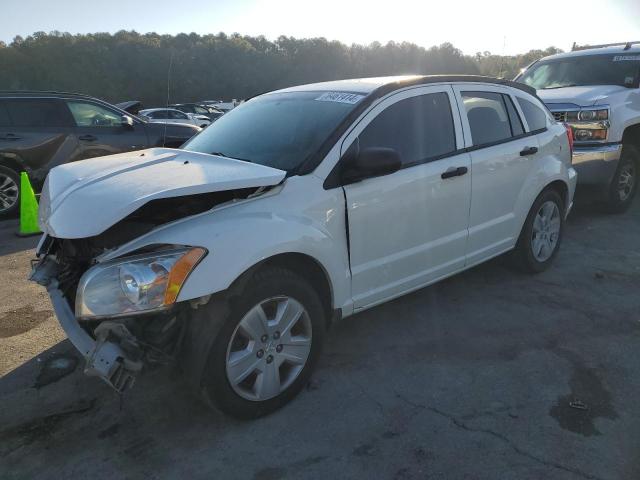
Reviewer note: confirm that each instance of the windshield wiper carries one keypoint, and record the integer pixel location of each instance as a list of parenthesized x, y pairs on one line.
[(221, 154), (561, 86)]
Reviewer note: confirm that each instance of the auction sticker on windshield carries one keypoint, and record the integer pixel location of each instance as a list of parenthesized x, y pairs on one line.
[(341, 97)]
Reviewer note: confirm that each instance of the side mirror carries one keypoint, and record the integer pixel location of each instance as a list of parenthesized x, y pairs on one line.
[(127, 121), (370, 162)]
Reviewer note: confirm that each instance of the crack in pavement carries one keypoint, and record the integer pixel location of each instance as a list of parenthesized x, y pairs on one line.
[(504, 439)]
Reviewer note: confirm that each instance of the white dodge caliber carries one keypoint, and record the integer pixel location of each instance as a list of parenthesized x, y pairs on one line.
[(234, 254)]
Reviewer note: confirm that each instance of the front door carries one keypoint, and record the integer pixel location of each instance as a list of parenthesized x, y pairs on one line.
[(409, 228), (100, 131)]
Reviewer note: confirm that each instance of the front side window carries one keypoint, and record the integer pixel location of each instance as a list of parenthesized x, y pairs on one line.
[(418, 128), (488, 117), (37, 112), (280, 130), (91, 115), (536, 118), (584, 70)]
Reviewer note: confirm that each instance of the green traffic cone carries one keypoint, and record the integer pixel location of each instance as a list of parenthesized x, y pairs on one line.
[(28, 208)]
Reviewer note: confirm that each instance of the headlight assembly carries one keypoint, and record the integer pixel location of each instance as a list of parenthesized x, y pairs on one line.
[(588, 115), (136, 284)]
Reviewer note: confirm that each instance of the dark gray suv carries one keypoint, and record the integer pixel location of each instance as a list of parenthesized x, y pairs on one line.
[(39, 130)]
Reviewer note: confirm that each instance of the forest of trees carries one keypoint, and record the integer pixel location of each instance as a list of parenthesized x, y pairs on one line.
[(132, 66)]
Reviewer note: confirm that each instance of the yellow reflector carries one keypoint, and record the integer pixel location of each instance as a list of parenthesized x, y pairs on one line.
[(179, 273)]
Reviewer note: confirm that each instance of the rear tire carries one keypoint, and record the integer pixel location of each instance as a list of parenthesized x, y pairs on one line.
[(541, 233), (625, 181), (9, 192), (279, 356)]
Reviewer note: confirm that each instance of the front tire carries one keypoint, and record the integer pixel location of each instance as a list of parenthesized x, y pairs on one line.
[(267, 346), (625, 181), (541, 234)]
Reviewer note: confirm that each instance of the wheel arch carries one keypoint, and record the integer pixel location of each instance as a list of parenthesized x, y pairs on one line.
[(12, 163), (631, 135), (561, 187), (302, 264)]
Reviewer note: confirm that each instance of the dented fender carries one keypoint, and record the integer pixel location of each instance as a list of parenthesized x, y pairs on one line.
[(239, 236)]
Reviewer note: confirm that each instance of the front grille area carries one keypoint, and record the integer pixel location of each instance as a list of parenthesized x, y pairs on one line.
[(560, 116)]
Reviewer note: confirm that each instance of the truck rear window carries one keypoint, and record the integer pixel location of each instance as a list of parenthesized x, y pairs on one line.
[(584, 70)]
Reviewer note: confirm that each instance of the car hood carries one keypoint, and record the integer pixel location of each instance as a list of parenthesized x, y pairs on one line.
[(579, 96), (83, 199)]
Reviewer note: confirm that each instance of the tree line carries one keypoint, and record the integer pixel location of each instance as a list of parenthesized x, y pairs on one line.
[(189, 67)]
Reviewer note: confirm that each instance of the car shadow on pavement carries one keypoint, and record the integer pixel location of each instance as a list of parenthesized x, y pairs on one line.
[(10, 242)]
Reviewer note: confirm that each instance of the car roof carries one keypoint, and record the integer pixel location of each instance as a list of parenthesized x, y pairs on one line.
[(157, 109), (617, 49), (385, 84)]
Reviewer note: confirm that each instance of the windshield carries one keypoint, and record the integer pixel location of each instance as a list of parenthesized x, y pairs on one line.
[(583, 70), (280, 130)]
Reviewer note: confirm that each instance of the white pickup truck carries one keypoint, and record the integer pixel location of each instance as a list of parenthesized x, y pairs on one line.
[(595, 89)]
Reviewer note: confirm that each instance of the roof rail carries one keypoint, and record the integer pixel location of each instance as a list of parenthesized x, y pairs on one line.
[(42, 92), (627, 45)]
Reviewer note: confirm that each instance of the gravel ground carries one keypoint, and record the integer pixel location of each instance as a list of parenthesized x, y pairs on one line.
[(490, 374)]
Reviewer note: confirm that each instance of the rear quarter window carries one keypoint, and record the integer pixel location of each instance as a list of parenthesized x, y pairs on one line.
[(535, 116)]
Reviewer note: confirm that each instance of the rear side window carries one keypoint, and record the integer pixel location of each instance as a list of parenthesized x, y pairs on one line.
[(175, 115), (37, 112), (418, 128), (488, 117), (536, 118), (5, 121), (161, 114)]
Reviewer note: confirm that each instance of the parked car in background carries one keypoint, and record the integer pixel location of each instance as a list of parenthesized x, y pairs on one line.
[(40, 130), (196, 109), (222, 106), (299, 207), (596, 91), (172, 115)]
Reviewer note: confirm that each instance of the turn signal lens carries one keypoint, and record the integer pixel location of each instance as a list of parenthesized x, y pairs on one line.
[(179, 273)]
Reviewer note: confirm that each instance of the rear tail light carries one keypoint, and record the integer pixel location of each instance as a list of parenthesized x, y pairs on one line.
[(570, 138)]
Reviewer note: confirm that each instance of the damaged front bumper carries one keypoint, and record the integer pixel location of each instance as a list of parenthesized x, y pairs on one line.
[(106, 356)]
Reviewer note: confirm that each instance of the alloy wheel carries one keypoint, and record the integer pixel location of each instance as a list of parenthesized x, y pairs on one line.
[(8, 192), (269, 348), (626, 181), (546, 231)]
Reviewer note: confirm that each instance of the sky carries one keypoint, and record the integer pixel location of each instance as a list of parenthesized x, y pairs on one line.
[(498, 26)]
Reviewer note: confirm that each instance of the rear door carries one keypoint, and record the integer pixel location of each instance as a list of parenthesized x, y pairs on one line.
[(38, 133), (409, 228), (502, 154), (100, 130)]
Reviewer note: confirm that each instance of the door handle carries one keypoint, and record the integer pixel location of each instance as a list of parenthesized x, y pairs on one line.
[(88, 138), (454, 172), (10, 136), (528, 151)]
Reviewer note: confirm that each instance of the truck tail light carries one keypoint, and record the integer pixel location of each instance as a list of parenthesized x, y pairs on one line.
[(570, 138)]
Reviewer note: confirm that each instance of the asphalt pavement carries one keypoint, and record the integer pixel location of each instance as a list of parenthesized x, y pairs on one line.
[(492, 374)]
